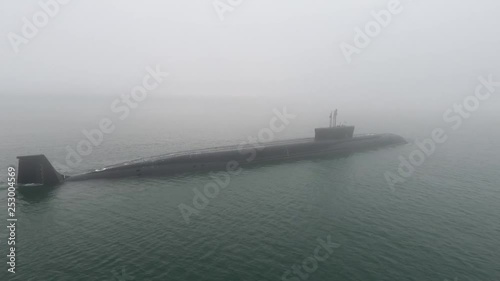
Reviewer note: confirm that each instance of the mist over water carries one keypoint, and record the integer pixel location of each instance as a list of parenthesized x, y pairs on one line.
[(226, 80)]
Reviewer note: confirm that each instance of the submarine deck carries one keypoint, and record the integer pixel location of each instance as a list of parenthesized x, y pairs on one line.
[(217, 158), (230, 148)]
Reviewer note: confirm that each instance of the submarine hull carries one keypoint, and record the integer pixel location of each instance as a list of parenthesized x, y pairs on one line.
[(35, 170), (233, 157)]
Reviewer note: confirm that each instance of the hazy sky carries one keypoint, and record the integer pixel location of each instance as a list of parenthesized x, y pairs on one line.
[(429, 55)]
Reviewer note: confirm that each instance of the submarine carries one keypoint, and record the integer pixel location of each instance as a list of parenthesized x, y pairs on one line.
[(335, 140)]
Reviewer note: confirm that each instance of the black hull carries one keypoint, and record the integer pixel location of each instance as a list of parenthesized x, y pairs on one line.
[(36, 169), (219, 158)]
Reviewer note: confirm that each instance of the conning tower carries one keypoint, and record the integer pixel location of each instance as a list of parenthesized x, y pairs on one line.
[(333, 131)]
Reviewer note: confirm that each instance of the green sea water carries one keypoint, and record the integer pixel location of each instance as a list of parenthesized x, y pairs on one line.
[(443, 223)]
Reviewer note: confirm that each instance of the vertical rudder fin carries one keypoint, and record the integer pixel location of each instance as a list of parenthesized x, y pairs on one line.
[(36, 169)]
